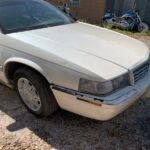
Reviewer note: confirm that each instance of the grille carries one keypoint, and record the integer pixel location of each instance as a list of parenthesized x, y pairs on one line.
[(140, 72)]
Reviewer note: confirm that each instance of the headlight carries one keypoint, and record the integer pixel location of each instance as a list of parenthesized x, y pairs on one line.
[(99, 88)]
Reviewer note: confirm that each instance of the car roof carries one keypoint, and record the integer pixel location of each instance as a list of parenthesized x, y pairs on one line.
[(19, 0), (9, 2), (12, 1)]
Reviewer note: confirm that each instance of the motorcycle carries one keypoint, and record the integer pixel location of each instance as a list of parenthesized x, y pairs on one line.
[(130, 20)]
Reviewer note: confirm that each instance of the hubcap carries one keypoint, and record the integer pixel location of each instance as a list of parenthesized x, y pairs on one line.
[(29, 94)]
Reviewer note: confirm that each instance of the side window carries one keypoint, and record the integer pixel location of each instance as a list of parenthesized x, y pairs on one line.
[(75, 3)]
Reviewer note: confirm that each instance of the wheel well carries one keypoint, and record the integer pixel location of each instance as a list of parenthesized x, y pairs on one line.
[(12, 67)]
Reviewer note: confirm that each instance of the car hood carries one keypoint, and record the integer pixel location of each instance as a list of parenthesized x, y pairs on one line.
[(90, 47)]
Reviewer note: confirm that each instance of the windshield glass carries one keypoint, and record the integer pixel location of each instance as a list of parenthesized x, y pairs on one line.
[(22, 15)]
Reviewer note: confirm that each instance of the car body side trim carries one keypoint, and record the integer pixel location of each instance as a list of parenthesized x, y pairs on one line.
[(79, 95)]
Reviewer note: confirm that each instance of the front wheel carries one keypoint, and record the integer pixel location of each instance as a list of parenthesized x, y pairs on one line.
[(34, 92), (143, 27)]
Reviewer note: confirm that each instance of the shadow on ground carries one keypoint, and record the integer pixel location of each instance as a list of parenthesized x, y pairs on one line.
[(64, 130)]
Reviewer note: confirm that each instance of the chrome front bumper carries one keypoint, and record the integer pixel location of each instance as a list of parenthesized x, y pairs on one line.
[(100, 108)]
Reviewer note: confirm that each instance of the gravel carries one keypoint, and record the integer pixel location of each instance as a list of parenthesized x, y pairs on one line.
[(20, 130)]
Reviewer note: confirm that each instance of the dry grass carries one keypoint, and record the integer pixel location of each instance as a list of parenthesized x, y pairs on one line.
[(127, 32), (132, 33)]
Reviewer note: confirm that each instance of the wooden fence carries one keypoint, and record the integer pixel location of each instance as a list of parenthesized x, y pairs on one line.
[(120, 6)]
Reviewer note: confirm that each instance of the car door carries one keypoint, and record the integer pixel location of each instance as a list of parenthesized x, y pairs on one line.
[(3, 52), (0, 51)]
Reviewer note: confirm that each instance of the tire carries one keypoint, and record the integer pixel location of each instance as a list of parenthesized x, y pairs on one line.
[(143, 27), (35, 93)]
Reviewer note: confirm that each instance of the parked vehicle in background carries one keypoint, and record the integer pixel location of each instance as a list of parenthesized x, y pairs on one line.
[(130, 20), (54, 61), (65, 7)]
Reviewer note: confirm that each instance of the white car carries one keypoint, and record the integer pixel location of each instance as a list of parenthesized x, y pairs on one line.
[(53, 61)]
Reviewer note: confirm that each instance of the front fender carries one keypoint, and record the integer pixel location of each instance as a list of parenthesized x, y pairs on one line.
[(25, 62)]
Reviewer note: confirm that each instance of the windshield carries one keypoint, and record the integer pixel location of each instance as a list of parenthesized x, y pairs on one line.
[(23, 15)]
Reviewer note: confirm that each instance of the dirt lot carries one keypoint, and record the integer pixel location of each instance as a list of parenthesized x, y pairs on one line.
[(20, 130)]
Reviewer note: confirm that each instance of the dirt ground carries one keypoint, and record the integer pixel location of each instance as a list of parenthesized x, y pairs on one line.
[(20, 130)]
